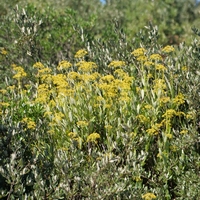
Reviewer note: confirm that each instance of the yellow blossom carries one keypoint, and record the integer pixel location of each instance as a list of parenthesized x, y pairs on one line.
[(4, 104), (169, 113), (29, 122), (138, 52), (38, 65), (3, 91), (82, 123), (179, 99), (20, 72), (64, 65), (4, 52), (81, 53), (168, 49), (85, 66), (116, 63), (184, 132), (93, 137), (149, 196), (156, 57), (160, 67)]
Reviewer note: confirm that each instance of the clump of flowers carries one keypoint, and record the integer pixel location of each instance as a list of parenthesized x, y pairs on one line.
[(149, 196), (168, 49), (93, 137), (81, 53), (116, 63), (63, 65)]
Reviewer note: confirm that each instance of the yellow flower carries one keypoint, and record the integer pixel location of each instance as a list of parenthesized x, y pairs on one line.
[(29, 122), (4, 104), (38, 65), (116, 63), (168, 49), (160, 67), (85, 66), (159, 85), (164, 100), (169, 113), (138, 52), (142, 118), (184, 132), (155, 57), (64, 65), (20, 72), (93, 137), (184, 68), (169, 135), (142, 58), (4, 52), (179, 99), (81, 53), (82, 123), (107, 78), (3, 91), (149, 196)]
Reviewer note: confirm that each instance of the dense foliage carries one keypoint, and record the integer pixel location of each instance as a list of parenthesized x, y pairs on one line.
[(99, 101)]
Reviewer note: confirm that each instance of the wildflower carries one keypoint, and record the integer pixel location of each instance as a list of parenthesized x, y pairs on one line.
[(173, 148), (148, 63), (107, 78), (184, 132), (168, 49), (108, 127), (20, 72), (169, 135), (29, 122), (160, 67), (4, 52), (73, 75), (164, 100), (3, 91), (156, 57), (93, 137), (4, 104), (159, 85), (82, 123), (179, 99), (64, 65), (142, 58), (86, 66), (169, 113), (115, 64), (154, 130), (58, 117), (121, 73), (149, 196), (81, 53), (138, 52), (38, 65), (184, 68), (142, 118)]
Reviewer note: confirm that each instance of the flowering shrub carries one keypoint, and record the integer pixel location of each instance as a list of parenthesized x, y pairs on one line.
[(86, 118), (128, 132)]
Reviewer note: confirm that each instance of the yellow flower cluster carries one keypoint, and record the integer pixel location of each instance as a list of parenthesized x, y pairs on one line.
[(81, 53), (64, 65), (4, 52), (149, 196), (20, 73), (93, 137), (116, 63), (168, 49), (29, 123), (85, 66)]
